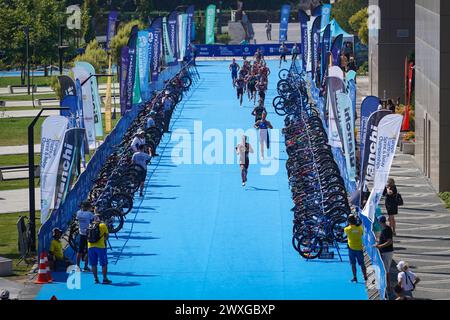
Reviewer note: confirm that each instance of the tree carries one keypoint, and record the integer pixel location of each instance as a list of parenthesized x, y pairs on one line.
[(343, 10), (358, 23), (144, 8), (121, 38), (89, 16), (95, 55)]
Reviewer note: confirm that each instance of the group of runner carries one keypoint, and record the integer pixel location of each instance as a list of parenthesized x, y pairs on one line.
[(253, 79)]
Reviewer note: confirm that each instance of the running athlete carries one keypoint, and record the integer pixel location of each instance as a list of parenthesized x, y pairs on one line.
[(251, 80), (263, 125), (261, 86), (240, 85), (259, 110), (234, 68), (243, 149)]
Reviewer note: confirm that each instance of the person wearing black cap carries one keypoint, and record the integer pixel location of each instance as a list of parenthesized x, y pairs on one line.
[(56, 259), (386, 246)]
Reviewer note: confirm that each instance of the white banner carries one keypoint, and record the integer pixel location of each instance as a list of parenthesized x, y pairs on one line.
[(347, 122), (334, 86), (52, 133), (88, 105), (388, 135)]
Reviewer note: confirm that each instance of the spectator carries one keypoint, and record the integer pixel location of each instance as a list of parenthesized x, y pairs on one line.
[(283, 52), (348, 52), (344, 62), (97, 235), (406, 279), (269, 30), (352, 64), (84, 217), (386, 247), (139, 139), (354, 233), (141, 159), (391, 202), (295, 51), (391, 106), (56, 259)]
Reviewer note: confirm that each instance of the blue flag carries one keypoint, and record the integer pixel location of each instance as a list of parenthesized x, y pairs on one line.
[(303, 18), (315, 39), (284, 21), (173, 34), (156, 53), (336, 50), (326, 45)]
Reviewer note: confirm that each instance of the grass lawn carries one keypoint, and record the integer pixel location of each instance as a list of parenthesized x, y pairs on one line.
[(8, 240), (25, 97), (14, 131), (39, 81), (113, 121), (20, 108), (16, 184), (17, 159)]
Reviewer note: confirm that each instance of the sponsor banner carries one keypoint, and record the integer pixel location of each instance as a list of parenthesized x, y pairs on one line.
[(190, 27), (108, 122), (80, 122), (315, 38), (156, 53), (238, 50), (351, 89), (284, 22), (303, 18), (326, 47), (335, 85), (68, 161), (309, 26), (173, 34), (95, 97), (111, 29), (131, 72), (167, 49), (123, 69), (71, 103), (347, 123), (181, 35), (368, 106), (52, 133), (143, 59), (336, 50), (81, 74), (137, 86), (67, 86), (326, 14), (370, 147), (210, 21), (386, 145)]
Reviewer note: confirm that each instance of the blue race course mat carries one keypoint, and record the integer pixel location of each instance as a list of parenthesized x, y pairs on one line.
[(198, 234)]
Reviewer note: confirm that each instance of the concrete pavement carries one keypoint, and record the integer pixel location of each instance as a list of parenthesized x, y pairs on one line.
[(17, 200), (6, 150)]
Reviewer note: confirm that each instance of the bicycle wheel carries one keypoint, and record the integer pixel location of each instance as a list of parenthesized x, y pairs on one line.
[(279, 109), (121, 201), (337, 230), (187, 82), (113, 219), (309, 247), (283, 74)]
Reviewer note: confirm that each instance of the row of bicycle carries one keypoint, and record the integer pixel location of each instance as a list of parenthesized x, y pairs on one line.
[(320, 199), (119, 179)]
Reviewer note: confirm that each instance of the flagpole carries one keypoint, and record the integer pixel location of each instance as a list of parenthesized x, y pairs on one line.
[(108, 123)]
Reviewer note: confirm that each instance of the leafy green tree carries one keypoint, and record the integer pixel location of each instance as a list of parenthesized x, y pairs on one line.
[(121, 38), (358, 23), (95, 55), (89, 15), (144, 8), (343, 10)]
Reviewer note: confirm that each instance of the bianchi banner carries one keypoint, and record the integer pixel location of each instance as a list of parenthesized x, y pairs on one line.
[(81, 74), (95, 96), (386, 144), (347, 124), (52, 133), (69, 157)]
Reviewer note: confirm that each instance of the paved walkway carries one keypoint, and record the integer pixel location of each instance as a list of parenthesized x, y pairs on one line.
[(5, 150), (17, 200)]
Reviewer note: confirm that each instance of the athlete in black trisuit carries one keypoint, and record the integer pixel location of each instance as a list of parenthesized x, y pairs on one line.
[(240, 87)]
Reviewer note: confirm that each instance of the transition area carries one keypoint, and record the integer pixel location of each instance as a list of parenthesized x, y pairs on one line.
[(199, 234)]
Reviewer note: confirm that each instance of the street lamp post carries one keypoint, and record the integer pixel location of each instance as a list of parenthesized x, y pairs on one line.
[(31, 188)]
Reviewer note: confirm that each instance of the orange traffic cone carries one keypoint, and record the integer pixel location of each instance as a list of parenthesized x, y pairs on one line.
[(49, 274), (42, 272), (53, 298)]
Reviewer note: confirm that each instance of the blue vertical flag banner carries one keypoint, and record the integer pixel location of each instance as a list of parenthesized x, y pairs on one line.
[(156, 53), (326, 47), (111, 29), (131, 72), (189, 24), (173, 34), (182, 37), (144, 63), (326, 14), (123, 70), (336, 50), (303, 18), (317, 11), (167, 48), (80, 122), (368, 106), (284, 21), (315, 39), (70, 102)]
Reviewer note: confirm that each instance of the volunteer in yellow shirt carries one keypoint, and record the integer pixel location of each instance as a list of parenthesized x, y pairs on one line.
[(98, 231), (354, 234), (56, 259)]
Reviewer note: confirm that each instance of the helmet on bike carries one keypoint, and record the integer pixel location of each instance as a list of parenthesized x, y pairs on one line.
[(4, 294)]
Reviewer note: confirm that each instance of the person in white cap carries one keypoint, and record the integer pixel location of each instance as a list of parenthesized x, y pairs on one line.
[(138, 140), (406, 279)]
